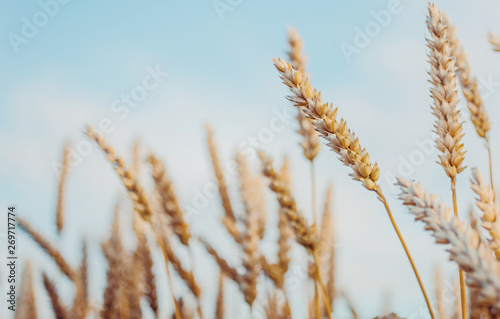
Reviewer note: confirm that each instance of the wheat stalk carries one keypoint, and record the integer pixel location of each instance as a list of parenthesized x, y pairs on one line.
[(26, 305), (136, 158), (219, 304), (80, 303), (186, 275), (440, 306), (221, 262), (229, 220), (168, 200), (448, 125), (114, 253), (149, 279), (466, 248), (135, 191), (60, 190), (310, 143), (488, 205), (478, 114), (49, 249), (252, 193), (251, 235), (305, 234), (60, 311), (339, 138), (342, 141), (326, 248)]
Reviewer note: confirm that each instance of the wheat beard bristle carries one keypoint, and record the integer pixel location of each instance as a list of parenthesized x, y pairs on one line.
[(466, 248), (448, 125)]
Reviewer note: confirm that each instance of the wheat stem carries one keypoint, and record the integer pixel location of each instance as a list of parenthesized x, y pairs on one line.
[(317, 309), (389, 213), (319, 282), (488, 145), (313, 193), (463, 295), (169, 276)]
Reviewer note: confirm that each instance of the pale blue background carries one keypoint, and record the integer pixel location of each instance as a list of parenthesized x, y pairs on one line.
[(220, 71)]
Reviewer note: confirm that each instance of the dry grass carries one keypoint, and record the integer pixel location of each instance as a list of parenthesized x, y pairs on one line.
[(161, 226)]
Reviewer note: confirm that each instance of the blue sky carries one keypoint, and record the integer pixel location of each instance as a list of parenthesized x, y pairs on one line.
[(91, 53)]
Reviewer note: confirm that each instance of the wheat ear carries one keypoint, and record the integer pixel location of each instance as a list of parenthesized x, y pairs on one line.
[(229, 220), (60, 190), (326, 248), (26, 305), (221, 262), (136, 194), (168, 200), (114, 253), (49, 249), (80, 303), (219, 304), (252, 193), (135, 169), (487, 203), (342, 141), (186, 275), (145, 256), (60, 311), (250, 235), (466, 248), (135, 191), (440, 306), (495, 41), (478, 115), (448, 125), (285, 231), (305, 234), (310, 143)]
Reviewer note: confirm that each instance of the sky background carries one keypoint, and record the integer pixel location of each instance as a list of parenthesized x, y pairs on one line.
[(90, 53)]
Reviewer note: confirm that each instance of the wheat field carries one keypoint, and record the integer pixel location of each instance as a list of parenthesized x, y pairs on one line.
[(152, 246)]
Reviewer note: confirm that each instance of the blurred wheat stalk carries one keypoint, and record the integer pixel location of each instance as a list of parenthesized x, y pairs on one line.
[(159, 221)]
